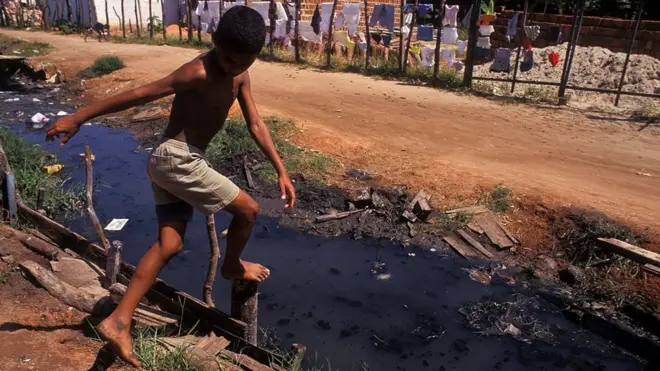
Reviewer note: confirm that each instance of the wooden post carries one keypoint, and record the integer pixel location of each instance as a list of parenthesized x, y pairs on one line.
[(123, 20), (113, 264), (151, 22), (40, 199), (368, 50), (130, 26), (213, 260), (401, 48), (178, 11), (199, 27), (189, 12), (9, 197), (107, 15), (68, 11), (90, 4), (412, 27), (438, 40), (472, 44), (244, 306), (92, 214), (296, 31), (297, 356), (271, 18), (162, 11), (137, 22), (330, 41)]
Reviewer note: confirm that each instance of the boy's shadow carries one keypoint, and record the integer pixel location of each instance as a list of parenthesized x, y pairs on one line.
[(104, 359)]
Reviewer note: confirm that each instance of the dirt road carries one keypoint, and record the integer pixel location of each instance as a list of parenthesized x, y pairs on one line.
[(453, 145)]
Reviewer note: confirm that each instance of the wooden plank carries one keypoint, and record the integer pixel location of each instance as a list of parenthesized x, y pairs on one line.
[(474, 210), (475, 244), (651, 269), (508, 233), (211, 345), (496, 235), (629, 251), (460, 247), (244, 361), (474, 227), (148, 316)]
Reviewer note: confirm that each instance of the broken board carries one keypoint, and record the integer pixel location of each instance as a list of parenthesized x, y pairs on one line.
[(462, 248), (475, 244), (489, 223), (629, 251)]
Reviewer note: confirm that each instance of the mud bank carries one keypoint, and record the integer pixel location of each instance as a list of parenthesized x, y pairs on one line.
[(356, 304)]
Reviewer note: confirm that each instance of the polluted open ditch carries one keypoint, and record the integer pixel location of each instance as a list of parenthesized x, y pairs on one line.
[(356, 299)]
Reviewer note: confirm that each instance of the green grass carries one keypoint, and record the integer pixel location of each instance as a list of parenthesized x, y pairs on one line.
[(647, 112), (498, 199), (235, 139), (27, 161), (155, 358), (102, 66), (12, 46)]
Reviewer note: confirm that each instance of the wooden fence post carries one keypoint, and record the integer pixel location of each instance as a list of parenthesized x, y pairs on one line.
[(162, 11), (438, 41), (123, 20), (272, 12), (213, 260), (412, 27), (328, 61), (151, 22), (296, 31), (189, 12), (368, 50), (137, 22), (244, 306)]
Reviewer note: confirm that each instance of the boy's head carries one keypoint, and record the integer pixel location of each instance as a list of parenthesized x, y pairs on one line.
[(240, 35)]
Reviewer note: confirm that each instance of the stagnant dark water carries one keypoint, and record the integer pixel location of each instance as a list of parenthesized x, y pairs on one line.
[(322, 292)]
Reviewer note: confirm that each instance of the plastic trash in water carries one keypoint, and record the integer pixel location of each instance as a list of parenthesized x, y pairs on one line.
[(12, 100), (116, 225), (36, 100), (62, 113), (39, 118), (52, 169)]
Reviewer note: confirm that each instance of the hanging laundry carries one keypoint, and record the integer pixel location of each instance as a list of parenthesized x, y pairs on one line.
[(351, 12), (451, 12), (384, 15), (206, 5), (326, 10), (211, 27), (200, 10), (339, 21), (307, 33), (425, 33), (342, 38), (482, 53), (428, 56), (528, 61), (316, 20), (462, 46), (281, 12), (449, 35), (424, 9), (553, 57), (262, 7), (449, 56), (458, 65), (511, 27), (483, 42), (526, 43), (280, 29), (386, 40), (555, 35), (532, 32), (502, 61), (486, 29), (407, 20)]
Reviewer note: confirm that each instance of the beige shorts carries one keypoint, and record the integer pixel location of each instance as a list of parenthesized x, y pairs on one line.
[(182, 180)]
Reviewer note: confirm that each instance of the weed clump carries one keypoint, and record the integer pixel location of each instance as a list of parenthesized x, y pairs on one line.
[(103, 66), (498, 200)]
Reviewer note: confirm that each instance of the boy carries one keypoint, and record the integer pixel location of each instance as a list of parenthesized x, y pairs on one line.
[(100, 28), (204, 89)]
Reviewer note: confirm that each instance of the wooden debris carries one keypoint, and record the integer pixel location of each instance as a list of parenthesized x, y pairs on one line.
[(151, 317), (246, 362), (460, 247), (40, 199), (409, 216), (9, 202), (364, 216), (379, 202), (178, 342), (360, 197), (474, 210), (210, 345), (651, 269), (480, 276), (629, 251), (508, 234), (474, 227), (488, 222), (336, 216), (244, 306), (248, 174), (297, 356), (113, 263), (475, 244), (411, 230), (213, 260), (33, 243)]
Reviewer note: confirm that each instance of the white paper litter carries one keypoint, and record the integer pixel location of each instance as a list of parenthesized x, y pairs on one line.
[(116, 225), (62, 113), (39, 118), (36, 100)]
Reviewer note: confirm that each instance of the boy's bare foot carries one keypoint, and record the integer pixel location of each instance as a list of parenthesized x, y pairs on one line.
[(119, 336), (244, 271)]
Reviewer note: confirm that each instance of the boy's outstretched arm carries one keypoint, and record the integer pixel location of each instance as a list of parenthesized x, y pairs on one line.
[(182, 79), (259, 131)]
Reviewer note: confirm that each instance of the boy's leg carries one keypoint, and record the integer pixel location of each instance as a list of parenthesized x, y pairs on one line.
[(244, 209), (116, 328)]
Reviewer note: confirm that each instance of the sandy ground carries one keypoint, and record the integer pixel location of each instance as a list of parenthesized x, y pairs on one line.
[(36, 330), (452, 145)]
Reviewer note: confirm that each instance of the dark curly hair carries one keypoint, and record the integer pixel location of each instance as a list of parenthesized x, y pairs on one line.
[(242, 30)]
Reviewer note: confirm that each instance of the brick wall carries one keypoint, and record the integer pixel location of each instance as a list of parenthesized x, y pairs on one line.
[(611, 33), (308, 6)]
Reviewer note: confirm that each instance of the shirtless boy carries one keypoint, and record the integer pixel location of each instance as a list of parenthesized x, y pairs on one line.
[(182, 180)]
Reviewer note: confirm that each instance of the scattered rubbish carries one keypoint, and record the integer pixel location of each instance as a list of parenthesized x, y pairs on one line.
[(52, 169), (379, 271), (480, 276), (62, 113), (224, 233), (12, 100), (572, 275), (512, 330), (360, 197), (409, 215), (643, 173), (433, 249), (55, 91), (148, 114), (420, 206), (115, 224), (474, 210), (359, 174), (82, 155), (336, 216), (248, 174), (39, 118), (87, 124), (364, 216), (411, 254), (411, 230), (36, 100)]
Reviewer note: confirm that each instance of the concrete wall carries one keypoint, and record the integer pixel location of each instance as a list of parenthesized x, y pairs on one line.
[(611, 33)]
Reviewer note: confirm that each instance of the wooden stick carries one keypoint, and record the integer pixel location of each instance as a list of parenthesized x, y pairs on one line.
[(272, 13), (33, 243), (475, 244), (162, 11), (248, 174), (412, 27), (629, 251), (113, 262), (367, 54), (297, 356), (123, 20), (213, 260), (328, 61), (85, 301), (40, 199), (342, 215), (244, 306), (151, 22)]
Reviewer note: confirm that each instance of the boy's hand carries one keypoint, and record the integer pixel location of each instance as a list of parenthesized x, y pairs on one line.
[(66, 126), (287, 191)]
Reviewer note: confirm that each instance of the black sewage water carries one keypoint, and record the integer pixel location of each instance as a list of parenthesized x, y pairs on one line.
[(356, 305)]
